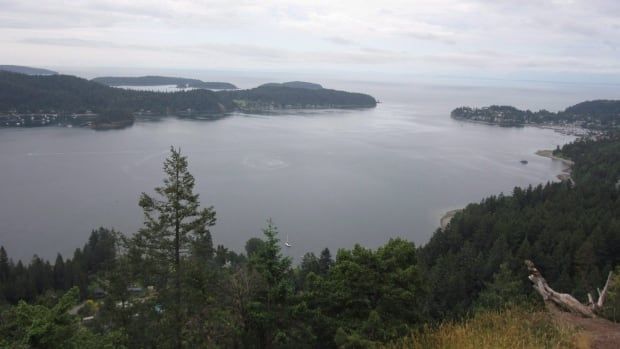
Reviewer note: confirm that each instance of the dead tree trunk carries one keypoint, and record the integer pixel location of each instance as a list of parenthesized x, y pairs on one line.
[(565, 300)]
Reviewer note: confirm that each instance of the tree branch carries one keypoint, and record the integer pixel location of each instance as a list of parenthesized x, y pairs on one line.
[(565, 300)]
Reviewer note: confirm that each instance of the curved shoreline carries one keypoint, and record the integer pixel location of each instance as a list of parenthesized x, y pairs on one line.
[(566, 173), (564, 176)]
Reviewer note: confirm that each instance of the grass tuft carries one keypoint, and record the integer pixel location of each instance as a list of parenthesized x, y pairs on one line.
[(509, 328)]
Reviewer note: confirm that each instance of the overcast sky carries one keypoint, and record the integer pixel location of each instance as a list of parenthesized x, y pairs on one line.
[(503, 38)]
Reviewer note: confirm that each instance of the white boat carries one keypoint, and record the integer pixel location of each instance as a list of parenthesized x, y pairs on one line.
[(286, 243)]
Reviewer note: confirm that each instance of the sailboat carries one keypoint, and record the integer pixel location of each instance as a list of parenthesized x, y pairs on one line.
[(286, 243)]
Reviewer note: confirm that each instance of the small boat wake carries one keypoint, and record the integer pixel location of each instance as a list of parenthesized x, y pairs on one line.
[(264, 162)]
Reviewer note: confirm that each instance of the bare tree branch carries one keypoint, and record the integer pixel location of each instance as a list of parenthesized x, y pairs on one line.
[(565, 300)]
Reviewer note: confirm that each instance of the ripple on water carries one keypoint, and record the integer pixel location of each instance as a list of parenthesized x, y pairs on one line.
[(264, 162)]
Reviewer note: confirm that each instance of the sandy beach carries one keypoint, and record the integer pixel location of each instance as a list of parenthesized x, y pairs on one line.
[(565, 176)]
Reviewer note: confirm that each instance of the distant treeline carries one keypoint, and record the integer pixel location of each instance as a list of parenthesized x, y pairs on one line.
[(64, 93), (277, 96), (69, 94), (359, 299), (596, 114), (162, 80)]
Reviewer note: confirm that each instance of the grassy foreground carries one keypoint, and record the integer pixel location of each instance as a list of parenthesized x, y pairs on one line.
[(510, 328)]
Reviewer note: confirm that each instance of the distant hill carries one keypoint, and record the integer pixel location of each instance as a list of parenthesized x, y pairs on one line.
[(25, 93), (28, 100), (162, 80), (296, 84), (279, 96), (590, 114), (26, 70)]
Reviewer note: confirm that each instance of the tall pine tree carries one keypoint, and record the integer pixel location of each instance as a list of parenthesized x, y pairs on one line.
[(174, 223)]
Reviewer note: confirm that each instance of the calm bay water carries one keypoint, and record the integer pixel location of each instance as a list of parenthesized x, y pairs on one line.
[(327, 178)]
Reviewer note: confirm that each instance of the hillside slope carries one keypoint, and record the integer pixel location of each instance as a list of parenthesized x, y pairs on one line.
[(26, 70), (25, 93)]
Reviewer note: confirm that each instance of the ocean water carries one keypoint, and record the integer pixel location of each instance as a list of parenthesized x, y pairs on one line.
[(328, 178)]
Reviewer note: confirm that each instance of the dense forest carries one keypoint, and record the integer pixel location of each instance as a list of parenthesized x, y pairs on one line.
[(278, 96), (163, 80), (591, 114), (41, 100), (64, 93), (168, 286)]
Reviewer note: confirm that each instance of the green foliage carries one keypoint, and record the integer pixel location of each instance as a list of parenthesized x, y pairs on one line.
[(252, 246), (277, 96), (504, 291), (19, 282), (363, 299), (572, 233), (268, 259), (174, 224), (64, 93), (38, 326), (270, 309), (368, 296), (597, 114)]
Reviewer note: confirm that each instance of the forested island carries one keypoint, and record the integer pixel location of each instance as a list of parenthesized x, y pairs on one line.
[(597, 114), (296, 95), (28, 101), (167, 285), (295, 84), (163, 80)]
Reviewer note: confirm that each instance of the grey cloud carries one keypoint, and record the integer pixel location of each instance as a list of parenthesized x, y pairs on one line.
[(250, 52), (72, 42), (430, 37), (340, 41), (480, 59)]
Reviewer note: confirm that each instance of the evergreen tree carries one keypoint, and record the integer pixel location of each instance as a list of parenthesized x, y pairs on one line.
[(270, 315), (4, 266), (503, 291), (252, 246), (5, 270), (325, 261), (59, 273), (174, 222)]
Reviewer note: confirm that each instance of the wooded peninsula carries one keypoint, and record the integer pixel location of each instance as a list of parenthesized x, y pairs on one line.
[(42, 100), (597, 114)]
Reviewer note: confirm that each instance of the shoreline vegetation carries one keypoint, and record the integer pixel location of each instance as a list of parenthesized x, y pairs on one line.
[(564, 176), (572, 130), (464, 288), (590, 118), (566, 172), (65, 100)]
